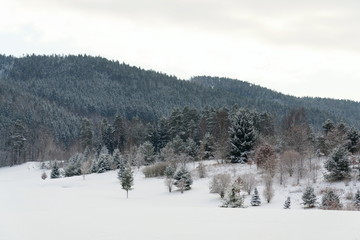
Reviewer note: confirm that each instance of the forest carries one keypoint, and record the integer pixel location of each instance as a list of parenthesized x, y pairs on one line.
[(52, 107)]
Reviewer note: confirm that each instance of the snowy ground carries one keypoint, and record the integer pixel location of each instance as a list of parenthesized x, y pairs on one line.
[(97, 209)]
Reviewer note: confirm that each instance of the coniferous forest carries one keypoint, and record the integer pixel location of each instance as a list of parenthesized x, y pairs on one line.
[(53, 107)]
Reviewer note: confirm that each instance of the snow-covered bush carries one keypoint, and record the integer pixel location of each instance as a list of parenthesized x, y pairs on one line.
[(183, 179), (309, 197), (155, 170), (330, 200), (55, 172), (220, 183), (287, 203), (248, 182), (255, 198), (233, 198)]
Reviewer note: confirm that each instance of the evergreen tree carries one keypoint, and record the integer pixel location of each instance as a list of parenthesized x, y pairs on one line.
[(191, 148), (119, 133), (169, 177), (74, 165), (118, 159), (86, 134), (127, 180), (338, 165), (242, 137), (183, 179), (287, 203), (55, 172), (208, 147), (255, 198), (17, 142), (104, 161), (357, 199), (163, 133), (309, 197), (353, 140), (178, 145), (233, 198), (147, 151), (107, 135)]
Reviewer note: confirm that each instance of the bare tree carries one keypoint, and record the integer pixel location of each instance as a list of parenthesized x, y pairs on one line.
[(265, 159), (220, 183), (268, 190), (86, 167), (288, 160), (248, 182)]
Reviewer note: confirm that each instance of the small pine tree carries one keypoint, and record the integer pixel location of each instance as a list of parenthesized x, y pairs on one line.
[(357, 199), (233, 198), (55, 172), (127, 181), (309, 197), (183, 179), (287, 203), (255, 198)]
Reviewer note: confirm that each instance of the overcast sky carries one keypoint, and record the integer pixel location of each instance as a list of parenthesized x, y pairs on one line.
[(302, 48)]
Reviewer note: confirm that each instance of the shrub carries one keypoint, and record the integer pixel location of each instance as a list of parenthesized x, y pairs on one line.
[(183, 179), (155, 170), (330, 201), (220, 183), (233, 198)]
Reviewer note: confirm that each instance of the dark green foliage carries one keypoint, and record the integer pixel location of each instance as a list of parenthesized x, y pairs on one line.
[(191, 148), (74, 165), (17, 142), (208, 147), (242, 137), (330, 200), (55, 171), (127, 180), (233, 198), (338, 165), (353, 140), (357, 199), (104, 161), (86, 133), (255, 198), (309, 197), (119, 133), (287, 203), (183, 179)]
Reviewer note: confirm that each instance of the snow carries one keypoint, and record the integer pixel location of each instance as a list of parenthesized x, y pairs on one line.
[(96, 208)]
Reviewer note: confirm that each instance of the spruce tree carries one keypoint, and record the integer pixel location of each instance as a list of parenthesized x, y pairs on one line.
[(55, 172), (287, 203), (338, 165), (207, 147), (242, 137), (330, 200), (104, 161), (127, 180), (183, 179), (309, 197), (357, 199), (255, 198), (233, 198)]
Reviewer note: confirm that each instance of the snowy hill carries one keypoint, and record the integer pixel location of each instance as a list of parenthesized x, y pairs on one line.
[(97, 208)]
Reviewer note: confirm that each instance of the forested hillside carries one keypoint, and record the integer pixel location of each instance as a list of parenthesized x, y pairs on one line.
[(44, 99)]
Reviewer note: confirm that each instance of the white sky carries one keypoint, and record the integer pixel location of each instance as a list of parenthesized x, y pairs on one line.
[(302, 48)]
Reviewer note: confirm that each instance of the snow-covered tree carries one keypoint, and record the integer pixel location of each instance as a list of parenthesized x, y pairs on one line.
[(242, 137), (147, 151), (73, 167), (220, 183), (43, 175), (338, 165), (248, 182), (183, 179), (55, 172), (309, 197), (330, 200), (191, 148), (127, 180), (255, 198), (287, 203), (104, 161), (169, 177), (268, 190), (233, 198), (357, 199), (207, 147)]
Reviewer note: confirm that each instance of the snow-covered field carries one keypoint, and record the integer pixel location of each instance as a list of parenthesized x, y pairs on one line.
[(97, 209)]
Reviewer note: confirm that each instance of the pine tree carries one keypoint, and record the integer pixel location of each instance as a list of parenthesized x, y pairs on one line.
[(357, 199), (147, 151), (86, 134), (233, 198), (242, 137), (191, 148), (55, 172), (119, 133), (104, 161), (183, 179), (74, 165), (207, 147), (17, 142), (309, 197), (127, 180), (255, 198), (287, 203), (338, 165)]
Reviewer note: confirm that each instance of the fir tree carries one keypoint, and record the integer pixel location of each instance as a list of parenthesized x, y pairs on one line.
[(233, 198), (287, 203), (191, 148), (255, 198), (86, 134), (309, 197), (55, 172), (242, 137), (338, 165), (207, 147), (104, 161), (357, 199), (127, 180), (183, 179)]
